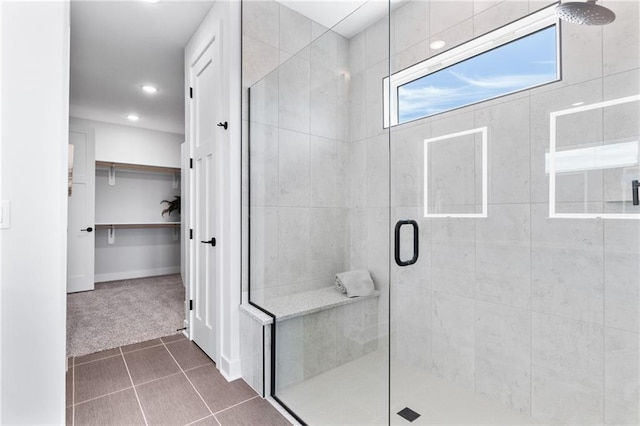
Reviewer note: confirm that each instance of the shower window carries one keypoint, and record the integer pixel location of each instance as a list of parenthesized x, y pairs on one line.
[(518, 56)]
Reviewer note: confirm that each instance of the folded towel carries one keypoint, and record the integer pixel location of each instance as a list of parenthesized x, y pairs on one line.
[(355, 283)]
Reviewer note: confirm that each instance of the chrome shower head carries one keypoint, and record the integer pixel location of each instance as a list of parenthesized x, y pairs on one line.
[(585, 13)]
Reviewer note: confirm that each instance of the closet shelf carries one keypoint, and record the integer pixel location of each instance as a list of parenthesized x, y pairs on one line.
[(137, 167), (124, 225)]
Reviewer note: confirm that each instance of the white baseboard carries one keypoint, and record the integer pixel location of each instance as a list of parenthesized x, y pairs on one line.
[(128, 275), (230, 370)]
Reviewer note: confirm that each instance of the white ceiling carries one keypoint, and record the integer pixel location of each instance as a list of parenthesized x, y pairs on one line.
[(116, 46), (346, 17)]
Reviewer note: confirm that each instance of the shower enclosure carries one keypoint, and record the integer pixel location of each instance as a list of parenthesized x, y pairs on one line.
[(488, 187)]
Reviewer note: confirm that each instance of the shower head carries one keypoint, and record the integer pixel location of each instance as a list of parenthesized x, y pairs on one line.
[(585, 13)]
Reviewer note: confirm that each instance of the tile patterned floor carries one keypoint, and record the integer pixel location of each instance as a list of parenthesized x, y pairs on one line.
[(167, 381)]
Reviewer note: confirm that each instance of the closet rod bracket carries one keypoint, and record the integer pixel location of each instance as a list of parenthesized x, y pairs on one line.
[(112, 175)]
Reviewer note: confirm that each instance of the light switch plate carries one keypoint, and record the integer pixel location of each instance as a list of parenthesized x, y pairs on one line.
[(5, 214)]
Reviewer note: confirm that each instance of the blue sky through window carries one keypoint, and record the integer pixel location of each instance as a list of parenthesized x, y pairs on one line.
[(518, 65)]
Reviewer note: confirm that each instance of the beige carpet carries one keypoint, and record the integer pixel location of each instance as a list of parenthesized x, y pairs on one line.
[(119, 313)]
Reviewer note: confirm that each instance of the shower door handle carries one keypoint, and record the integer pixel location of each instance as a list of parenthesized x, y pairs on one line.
[(414, 259), (634, 191)]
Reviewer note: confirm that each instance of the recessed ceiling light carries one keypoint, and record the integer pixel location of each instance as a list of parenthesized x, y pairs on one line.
[(438, 44), (133, 117), (147, 88), (577, 104)]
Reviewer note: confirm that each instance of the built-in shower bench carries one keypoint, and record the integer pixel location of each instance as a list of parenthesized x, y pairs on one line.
[(309, 302), (316, 331)]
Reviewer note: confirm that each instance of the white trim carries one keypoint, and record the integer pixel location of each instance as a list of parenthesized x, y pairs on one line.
[(140, 273), (501, 36), (230, 368), (552, 161), (223, 21), (485, 186)]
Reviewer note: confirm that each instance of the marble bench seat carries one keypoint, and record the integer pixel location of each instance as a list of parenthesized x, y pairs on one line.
[(317, 330), (309, 302)]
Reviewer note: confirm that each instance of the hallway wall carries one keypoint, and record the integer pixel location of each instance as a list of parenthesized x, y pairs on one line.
[(34, 87)]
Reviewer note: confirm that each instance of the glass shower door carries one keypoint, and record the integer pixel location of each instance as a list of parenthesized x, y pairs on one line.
[(514, 295)]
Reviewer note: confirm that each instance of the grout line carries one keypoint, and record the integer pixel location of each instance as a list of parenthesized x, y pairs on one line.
[(530, 307), (155, 380), (134, 387), (206, 417), (128, 352), (96, 360), (235, 405), (189, 380), (106, 394), (199, 366), (73, 391)]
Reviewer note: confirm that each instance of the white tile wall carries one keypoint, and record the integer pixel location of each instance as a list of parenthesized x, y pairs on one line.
[(622, 377), (566, 370), (453, 338), (503, 250), (503, 355), (566, 266)]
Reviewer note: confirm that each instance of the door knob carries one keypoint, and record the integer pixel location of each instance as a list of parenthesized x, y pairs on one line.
[(212, 241), (89, 229)]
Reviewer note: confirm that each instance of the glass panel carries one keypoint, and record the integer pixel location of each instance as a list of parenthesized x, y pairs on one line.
[(318, 166), (528, 315)]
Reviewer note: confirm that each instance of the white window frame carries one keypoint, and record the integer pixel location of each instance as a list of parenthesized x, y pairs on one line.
[(552, 159), (503, 35)]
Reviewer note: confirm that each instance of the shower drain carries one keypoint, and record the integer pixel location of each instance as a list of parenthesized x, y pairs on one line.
[(408, 414)]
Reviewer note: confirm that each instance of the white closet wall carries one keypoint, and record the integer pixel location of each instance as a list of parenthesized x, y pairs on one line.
[(135, 197), (126, 144)]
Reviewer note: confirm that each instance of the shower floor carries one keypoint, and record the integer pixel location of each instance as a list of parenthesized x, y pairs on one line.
[(356, 393)]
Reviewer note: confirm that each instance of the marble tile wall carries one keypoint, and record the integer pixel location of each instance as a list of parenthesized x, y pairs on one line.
[(251, 350), (315, 343), (540, 314), (298, 151)]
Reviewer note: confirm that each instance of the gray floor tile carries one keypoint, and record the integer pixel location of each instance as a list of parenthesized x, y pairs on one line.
[(69, 416), (69, 387), (99, 378), (171, 401), (141, 345), (251, 413), (216, 391), (207, 421), (150, 364), (96, 356), (116, 409), (188, 354), (174, 338)]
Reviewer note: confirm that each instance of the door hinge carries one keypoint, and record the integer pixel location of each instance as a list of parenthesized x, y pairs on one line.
[(191, 234), (191, 305), (191, 163), (190, 92)]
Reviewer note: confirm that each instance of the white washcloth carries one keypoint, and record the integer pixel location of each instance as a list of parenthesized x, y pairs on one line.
[(355, 283)]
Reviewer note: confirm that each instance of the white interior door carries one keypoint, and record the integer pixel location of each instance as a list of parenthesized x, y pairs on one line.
[(205, 80), (81, 214)]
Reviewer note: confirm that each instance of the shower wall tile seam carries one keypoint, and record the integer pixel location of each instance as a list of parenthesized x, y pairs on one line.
[(530, 309), (604, 269)]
